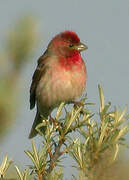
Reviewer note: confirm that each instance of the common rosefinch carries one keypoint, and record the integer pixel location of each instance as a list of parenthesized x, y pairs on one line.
[(60, 76)]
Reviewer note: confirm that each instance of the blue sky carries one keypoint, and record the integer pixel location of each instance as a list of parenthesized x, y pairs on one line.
[(102, 25)]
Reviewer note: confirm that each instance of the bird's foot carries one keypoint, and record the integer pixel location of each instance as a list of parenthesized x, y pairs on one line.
[(76, 103), (53, 121)]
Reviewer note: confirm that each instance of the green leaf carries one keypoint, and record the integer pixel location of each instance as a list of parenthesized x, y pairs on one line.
[(101, 98)]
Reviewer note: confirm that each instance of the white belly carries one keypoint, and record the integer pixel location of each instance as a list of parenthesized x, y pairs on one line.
[(58, 86)]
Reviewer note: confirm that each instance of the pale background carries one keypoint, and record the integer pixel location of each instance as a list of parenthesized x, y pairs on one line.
[(103, 25)]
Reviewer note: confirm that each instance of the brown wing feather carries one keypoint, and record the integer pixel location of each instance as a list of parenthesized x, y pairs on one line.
[(36, 78)]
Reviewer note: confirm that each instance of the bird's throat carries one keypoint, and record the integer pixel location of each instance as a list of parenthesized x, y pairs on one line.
[(71, 61)]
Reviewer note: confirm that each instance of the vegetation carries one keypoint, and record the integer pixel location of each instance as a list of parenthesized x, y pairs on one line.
[(93, 140), (95, 150), (18, 47)]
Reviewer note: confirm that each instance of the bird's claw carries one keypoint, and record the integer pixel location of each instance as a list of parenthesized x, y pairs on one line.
[(54, 122), (77, 103)]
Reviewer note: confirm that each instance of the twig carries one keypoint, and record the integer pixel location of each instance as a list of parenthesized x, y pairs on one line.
[(54, 157), (40, 177)]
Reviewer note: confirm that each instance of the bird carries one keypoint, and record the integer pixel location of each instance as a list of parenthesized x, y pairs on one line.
[(60, 76)]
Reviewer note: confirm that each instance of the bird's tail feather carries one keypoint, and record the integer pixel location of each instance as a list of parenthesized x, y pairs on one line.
[(37, 121)]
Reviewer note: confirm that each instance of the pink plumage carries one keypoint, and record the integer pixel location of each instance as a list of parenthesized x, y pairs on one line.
[(59, 76)]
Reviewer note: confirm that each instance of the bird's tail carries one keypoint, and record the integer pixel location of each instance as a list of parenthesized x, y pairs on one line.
[(37, 120)]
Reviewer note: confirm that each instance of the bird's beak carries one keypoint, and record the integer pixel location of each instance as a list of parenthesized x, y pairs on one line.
[(81, 47)]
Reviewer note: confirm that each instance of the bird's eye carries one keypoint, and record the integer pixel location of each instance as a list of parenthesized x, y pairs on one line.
[(71, 45)]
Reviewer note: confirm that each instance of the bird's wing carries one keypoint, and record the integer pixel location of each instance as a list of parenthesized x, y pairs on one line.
[(40, 70)]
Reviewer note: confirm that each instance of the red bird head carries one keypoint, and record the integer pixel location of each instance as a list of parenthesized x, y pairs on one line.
[(66, 44)]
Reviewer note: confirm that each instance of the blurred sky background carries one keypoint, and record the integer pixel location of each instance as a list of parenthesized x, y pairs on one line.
[(103, 25)]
